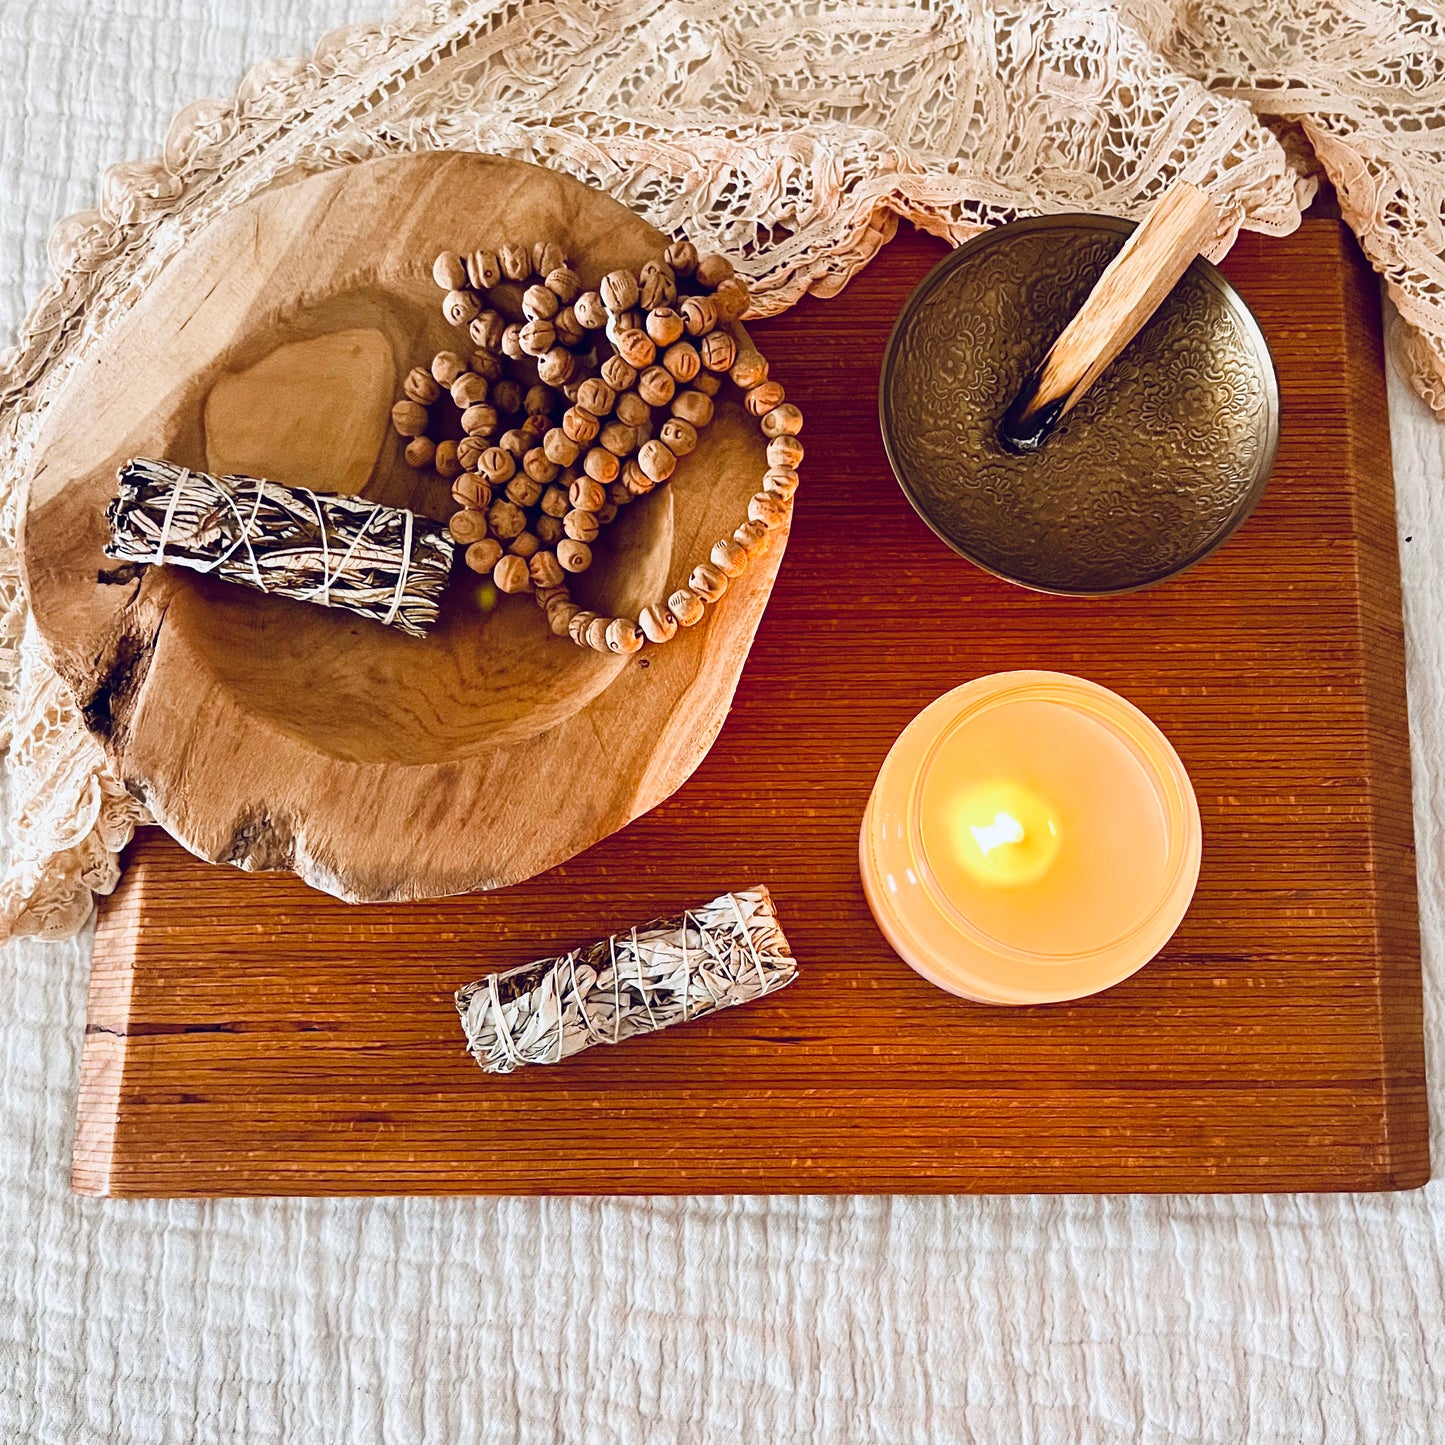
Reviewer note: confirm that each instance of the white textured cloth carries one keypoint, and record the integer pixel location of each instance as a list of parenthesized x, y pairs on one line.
[(1029, 1321)]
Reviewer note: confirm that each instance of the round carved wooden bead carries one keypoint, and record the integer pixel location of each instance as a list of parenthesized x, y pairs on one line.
[(784, 420), (449, 271), (486, 330), (590, 310), (709, 383), (750, 369), (554, 501), (693, 407), (484, 555), (468, 390), (560, 615), (515, 441), (636, 348), (763, 397), (525, 545), (506, 519), (574, 556), (596, 396), (601, 465), (507, 395), (656, 386), (785, 451), (579, 424), (708, 582), (486, 364), (471, 491), (480, 420), (752, 537), (656, 460), (656, 285), (620, 321), (557, 367), (678, 436), (496, 464), (732, 299), (544, 597), (539, 400), (534, 428), (782, 481), (623, 636), (606, 514), (540, 303), (560, 448), (409, 418), (419, 452), (537, 338), (682, 360), (682, 257), (564, 283), (460, 307), (512, 341), (515, 261), (577, 627), (469, 452), (597, 633), (618, 438), (768, 508), (657, 623), (618, 374), (511, 574), (483, 270), (619, 494), (664, 326), (729, 557), (632, 410), (549, 530), (587, 495), (420, 386), (686, 606), (699, 315), (540, 468), (467, 527), (713, 270), (581, 526), (446, 461), (717, 349), (446, 366), (618, 290), (570, 331), (546, 570), (524, 491)]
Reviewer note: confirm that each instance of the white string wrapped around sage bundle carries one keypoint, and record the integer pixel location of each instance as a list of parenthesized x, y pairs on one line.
[(727, 952), (382, 562)]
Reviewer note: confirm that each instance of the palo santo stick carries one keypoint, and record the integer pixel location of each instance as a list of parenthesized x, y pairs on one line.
[(1131, 289)]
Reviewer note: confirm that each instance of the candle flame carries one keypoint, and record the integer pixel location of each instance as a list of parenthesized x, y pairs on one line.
[(1005, 828)]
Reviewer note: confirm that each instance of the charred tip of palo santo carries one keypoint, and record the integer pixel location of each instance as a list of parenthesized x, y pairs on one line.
[(729, 951), (380, 562)]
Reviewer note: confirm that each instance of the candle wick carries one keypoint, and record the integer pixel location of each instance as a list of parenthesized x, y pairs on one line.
[(1005, 828)]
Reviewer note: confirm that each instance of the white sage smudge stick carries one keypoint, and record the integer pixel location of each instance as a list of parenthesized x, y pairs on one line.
[(382, 562), (727, 952)]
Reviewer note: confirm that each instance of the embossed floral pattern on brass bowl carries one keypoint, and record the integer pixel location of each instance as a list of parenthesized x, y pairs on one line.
[(1159, 463)]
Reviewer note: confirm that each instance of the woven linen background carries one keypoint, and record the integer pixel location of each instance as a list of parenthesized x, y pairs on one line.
[(1069, 1320)]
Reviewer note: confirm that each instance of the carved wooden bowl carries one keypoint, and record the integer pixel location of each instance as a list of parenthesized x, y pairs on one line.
[(270, 734)]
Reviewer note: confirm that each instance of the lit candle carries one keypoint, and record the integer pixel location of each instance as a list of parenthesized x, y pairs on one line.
[(1031, 837)]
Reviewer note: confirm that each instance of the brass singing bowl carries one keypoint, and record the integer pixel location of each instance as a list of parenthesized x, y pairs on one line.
[(1156, 467)]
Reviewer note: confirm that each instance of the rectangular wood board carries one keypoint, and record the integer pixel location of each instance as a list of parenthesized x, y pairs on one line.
[(248, 1036)]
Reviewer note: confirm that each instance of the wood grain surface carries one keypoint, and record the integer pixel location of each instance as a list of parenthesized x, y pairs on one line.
[(268, 735), (248, 1036)]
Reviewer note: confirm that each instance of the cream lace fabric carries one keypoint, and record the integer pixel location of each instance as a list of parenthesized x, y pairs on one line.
[(791, 135)]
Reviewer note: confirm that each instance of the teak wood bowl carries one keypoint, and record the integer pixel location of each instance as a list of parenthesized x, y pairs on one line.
[(271, 735)]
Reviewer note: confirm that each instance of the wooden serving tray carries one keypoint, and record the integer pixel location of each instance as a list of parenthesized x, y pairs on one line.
[(249, 1036)]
